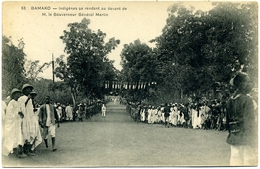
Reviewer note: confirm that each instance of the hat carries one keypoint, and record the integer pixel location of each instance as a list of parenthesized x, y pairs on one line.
[(26, 86), (15, 90), (239, 78), (33, 93)]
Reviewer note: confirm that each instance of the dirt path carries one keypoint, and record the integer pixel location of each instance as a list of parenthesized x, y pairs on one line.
[(117, 140)]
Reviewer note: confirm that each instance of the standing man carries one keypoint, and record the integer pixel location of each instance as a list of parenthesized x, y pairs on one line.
[(4, 106), (69, 112), (241, 123), (38, 137), (167, 114), (47, 119), (59, 111), (28, 129), (80, 112), (13, 127), (103, 109)]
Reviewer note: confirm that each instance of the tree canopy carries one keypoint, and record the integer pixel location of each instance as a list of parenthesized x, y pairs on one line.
[(87, 66), (13, 59), (198, 49)]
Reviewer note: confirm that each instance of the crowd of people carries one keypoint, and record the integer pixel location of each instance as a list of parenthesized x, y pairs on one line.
[(26, 124), (66, 112), (197, 115), (235, 113)]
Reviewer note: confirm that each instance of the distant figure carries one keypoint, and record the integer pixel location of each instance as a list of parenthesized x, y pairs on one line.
[(167, 114), (103, 109), (69, 111), (114, 100), (59, 111), (80, 112)]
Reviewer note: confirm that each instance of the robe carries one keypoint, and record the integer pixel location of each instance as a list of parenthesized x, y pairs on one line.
[(12, 128), (30, 125)]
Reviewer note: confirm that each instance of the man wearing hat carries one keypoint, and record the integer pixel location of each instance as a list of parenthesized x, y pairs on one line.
[(241, 123), (13, 132), (26, 106), (38, 139), (33, 94)]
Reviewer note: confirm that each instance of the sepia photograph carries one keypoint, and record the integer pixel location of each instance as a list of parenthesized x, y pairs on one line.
[(129, 84)]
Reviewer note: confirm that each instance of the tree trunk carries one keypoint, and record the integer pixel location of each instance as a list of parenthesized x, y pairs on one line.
[(73, 98), (181, 94)]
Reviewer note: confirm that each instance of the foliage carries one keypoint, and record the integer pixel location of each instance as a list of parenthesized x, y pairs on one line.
[(208, 47), (58, 91), (33, 69), (87, 65), (138, 62), (12, 65), (197, 50)]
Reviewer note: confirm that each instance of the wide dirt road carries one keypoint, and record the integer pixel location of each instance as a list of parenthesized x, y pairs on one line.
[(117, 140)]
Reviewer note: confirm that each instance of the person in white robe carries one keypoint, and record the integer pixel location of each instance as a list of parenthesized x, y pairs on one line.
[(194, 117), (4, 106), (152, 115), (171, 116), (103, 109), (59, 111), (26, 106), (175, 115), (159, 113), (143, 114), (13, 127), (162, 116), (156, 118), (69, 112), (36, 127), (149, 114)]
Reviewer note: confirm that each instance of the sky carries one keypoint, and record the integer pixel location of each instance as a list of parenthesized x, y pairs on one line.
[(40, 33)]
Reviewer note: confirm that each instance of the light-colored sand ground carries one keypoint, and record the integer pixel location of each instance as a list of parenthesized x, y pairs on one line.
[(119, 141)]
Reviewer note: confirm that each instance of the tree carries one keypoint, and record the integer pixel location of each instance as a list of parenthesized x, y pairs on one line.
[(12, 65), (138, 62), (87, 59), (207, 47), (33, 69), (45, 87)]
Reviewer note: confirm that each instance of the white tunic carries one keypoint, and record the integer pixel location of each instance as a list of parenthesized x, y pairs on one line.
[(28, 120), (68, 111), (3, 117), (12, 128), (149, 115), (143, 115)]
